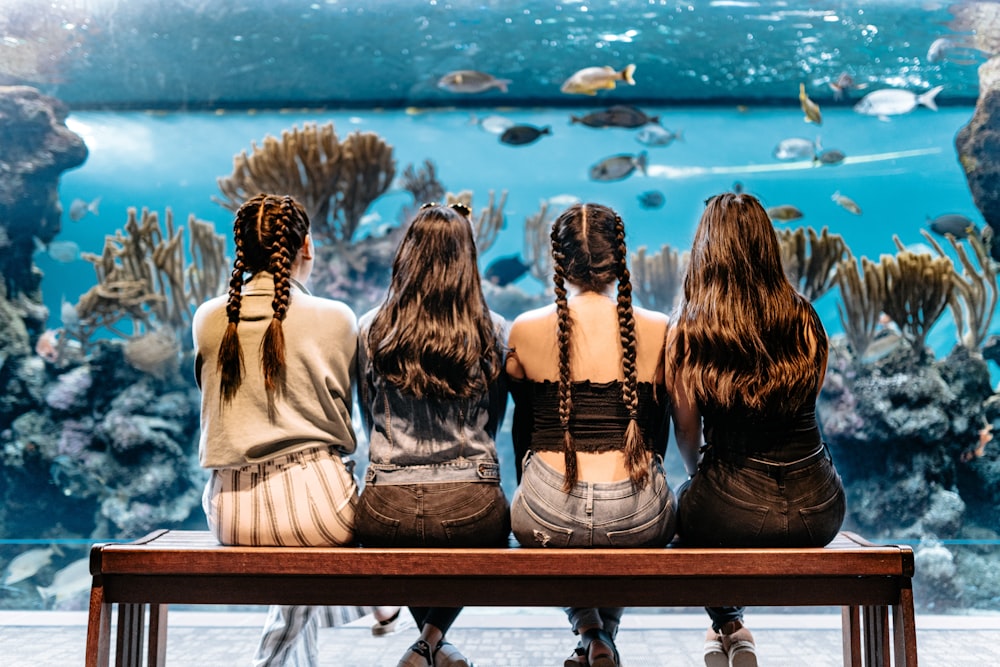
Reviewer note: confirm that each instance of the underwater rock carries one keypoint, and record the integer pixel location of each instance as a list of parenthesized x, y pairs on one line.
[(978, 145), (37, 148), (936, 582)]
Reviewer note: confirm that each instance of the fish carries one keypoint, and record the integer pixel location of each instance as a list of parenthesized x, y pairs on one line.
[(737, 187), (957, 225), (795, 148), (843, 83), (589, 80), (945, 48), (495, 124), (652, 199), (657, 135), (619, 115), (784, 213), (829, 157), (521, 135), (895, 101), (27, 564), (79, 208), (809, 108), (471, 81), (60, 251), (846, 202), (618, 167), (505, 270), (70, 581), (563, 201)]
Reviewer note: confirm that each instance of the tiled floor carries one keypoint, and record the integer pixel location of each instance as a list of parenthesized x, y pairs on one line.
[(497, 637)]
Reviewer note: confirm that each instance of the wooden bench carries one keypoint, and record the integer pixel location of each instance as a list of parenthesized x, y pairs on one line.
[(189, 567)]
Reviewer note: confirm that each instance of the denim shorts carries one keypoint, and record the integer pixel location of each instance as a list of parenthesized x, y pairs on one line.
[(591, 514), (725, 505), (447, 514)]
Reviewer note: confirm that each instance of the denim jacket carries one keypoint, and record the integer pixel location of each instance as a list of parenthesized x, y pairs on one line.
[(427, 441)]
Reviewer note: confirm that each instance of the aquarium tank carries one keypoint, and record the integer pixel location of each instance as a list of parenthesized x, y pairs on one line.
[(130, 131)]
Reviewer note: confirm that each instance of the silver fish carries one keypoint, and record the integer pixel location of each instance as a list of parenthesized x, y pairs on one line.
[(895, 101), (846, 202), (495, 124), (795, 148), (657, 135), (25, 565), (80, 208), (72, 580), (63, 251), (471, 81), (589, 80), (618, 167)]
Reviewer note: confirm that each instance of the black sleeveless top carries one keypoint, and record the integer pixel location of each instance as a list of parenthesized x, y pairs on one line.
[(598, 421), (734, 435)]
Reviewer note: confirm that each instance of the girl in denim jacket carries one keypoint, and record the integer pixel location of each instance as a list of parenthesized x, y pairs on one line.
[(432, 395)]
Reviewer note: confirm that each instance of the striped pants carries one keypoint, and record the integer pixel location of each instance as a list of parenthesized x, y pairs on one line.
[(306, 498)]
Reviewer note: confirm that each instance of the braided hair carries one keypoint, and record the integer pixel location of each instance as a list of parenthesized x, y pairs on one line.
[(268, 232), (588, 250)]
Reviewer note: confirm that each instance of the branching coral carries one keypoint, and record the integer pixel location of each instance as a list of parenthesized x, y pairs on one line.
[(918, 287), (143, 277), (423, 183), (974, 299), (862, 301), (812, 274), (336, 181), (538, 243), (657, 278), (490, 220)]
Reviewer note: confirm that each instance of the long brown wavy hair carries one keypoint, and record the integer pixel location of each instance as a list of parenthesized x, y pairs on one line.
[(268, 232), (588, 250), (744, 338), (434, 336)]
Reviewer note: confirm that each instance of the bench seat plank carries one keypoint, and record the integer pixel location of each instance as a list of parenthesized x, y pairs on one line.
[(168, 567)]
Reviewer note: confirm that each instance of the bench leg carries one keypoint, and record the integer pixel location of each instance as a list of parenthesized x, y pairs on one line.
[(98, 627), (131, 625), (876, 635), (850, 629), (157, 635), (904, 629)]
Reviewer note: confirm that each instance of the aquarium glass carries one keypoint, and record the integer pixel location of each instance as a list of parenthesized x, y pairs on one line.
[(674, 102)]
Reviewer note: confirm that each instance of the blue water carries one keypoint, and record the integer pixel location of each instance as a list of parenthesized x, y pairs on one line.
[(172, 160)]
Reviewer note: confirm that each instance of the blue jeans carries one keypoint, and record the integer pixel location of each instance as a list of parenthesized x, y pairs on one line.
[(592, 514), (449, 514), (726, 505)]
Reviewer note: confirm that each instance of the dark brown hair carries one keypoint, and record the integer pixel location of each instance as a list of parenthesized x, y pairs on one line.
[(268, 232), (434, 335), (588, 250), (745, 339)]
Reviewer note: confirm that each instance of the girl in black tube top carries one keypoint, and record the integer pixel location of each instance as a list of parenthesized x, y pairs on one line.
[(746, 357), (590, 413)]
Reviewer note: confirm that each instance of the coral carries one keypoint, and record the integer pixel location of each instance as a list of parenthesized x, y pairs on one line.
[(936, 580), (336, 181), (975, 295), (490, 220), (862, 295), (71, 389), (143, 278), (423, 184), (538, 243), (918, 287), (156, 353), (657, 279), (812, 274)]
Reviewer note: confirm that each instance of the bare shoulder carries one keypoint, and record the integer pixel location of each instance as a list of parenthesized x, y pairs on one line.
[(652, 320), (527, 325)]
